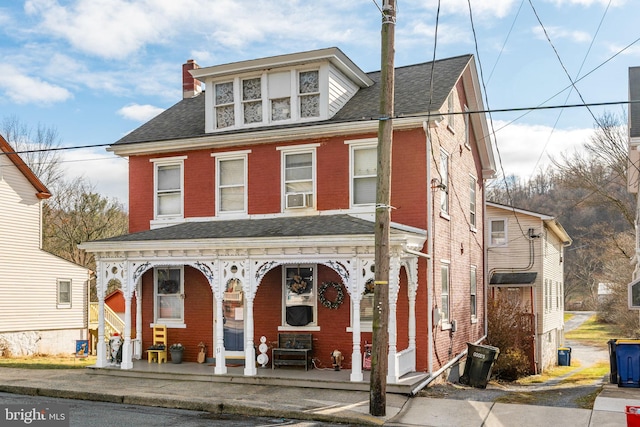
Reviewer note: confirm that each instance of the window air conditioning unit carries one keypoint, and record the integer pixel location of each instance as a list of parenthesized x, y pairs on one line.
[(296, 200)]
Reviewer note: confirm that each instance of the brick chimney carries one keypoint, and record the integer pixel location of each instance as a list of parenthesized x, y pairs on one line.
[(190, 85)]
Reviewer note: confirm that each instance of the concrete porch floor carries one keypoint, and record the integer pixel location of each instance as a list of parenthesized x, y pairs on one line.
[(324, 378)]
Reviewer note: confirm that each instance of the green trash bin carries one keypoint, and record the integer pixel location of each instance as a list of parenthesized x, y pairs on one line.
[(480, 360)]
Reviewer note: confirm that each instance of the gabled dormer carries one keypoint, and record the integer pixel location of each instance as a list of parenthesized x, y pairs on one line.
[(286, 89)]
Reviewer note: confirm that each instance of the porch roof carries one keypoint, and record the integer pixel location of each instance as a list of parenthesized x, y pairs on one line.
[(513, 278), (300, 226)]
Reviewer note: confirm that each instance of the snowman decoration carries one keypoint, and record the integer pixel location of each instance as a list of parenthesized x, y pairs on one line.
[(263, 359)]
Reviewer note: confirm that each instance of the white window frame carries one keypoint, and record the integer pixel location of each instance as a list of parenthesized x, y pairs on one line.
[(467, 128), (451, 111), (473, 211), (235, 89), (311, 298), (444, 181), (222, 157), (168, 162), (354, 146), (310, 198), (301, 95), (60, 284), (445, 307), (492, 239), (170, 322), (243, 101), (473, 293)]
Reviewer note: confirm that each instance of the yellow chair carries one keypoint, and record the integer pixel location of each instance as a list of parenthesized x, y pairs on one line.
[(159, 349)]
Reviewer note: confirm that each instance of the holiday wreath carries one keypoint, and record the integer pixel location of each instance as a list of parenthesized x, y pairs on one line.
[(339, 295)]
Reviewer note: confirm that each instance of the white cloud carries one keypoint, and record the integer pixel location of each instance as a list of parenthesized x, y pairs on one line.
[(108, 173), (24, 89), (138, 112), (556, 33), (527, 149), (614, 3)]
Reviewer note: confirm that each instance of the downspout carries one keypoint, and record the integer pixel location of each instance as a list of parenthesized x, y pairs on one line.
[(425, 127)]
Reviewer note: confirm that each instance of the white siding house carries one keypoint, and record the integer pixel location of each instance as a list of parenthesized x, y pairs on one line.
[(526, 259), (43, 298)]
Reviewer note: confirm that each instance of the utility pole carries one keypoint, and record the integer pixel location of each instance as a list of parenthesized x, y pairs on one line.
[(380, 344)]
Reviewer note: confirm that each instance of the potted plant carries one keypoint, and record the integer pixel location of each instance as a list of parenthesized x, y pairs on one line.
[(176, 351)]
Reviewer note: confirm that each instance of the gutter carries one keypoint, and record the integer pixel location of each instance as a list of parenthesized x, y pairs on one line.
[(425, 127)]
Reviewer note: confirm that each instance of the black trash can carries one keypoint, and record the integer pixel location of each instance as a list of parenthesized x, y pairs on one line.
[(480, 360), (613, 363), (564, 356)]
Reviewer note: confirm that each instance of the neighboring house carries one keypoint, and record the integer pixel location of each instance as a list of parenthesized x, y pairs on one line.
[(633, 177), (252, 213), (526, 261), (43, 298)]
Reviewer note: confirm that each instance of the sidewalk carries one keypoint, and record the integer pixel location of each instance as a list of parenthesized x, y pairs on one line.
[(351, 407)]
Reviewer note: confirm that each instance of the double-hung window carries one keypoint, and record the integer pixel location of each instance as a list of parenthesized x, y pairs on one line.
[(444, 181), (63, 293), (309, 93), (298, 176), (168, 187), (498, 232), (224, 105), (444, 295), (472, 202), (473, 290), (252, 100), (364, 170), (169, 295), (231, 182)]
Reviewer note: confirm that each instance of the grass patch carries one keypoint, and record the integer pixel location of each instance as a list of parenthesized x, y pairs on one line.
[(521, 397), (47, 362), (549, 374), (568, 316), (588, 375), (593, 333), (587, 401)]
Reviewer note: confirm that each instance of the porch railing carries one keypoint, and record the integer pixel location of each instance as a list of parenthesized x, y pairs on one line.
[(405, 362), (112, 322)]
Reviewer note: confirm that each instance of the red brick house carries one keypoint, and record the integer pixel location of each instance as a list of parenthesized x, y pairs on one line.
[(252, 205)]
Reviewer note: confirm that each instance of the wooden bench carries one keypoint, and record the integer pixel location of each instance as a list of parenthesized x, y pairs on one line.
[(293, 350)]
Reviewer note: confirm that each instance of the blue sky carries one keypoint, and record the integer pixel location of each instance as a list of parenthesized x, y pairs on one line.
[(97, 69)]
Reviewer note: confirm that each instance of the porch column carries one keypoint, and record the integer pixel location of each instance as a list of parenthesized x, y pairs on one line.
[(101, 346), (221, 367), (249, 348), (137, 351), (412, 270), (356, 353), (127, 363), (394, 285)]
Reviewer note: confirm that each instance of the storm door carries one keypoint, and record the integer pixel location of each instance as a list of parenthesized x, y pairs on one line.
[(233, 318)]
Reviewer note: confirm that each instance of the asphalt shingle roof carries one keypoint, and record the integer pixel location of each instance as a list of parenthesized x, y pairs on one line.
[(317, 225), (412, 97)]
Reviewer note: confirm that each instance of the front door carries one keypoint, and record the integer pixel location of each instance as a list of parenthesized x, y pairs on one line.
[(233, 315)]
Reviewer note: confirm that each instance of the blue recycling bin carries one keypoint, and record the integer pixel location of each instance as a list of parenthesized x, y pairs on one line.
[(628, 363), (564, 356)]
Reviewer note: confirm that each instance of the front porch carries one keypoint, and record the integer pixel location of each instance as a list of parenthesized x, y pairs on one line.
[(323, 378)]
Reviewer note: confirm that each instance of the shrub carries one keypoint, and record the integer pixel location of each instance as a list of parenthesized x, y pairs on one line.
[(511, 329)]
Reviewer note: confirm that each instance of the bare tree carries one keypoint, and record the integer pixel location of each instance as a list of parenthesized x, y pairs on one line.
[(37, 147), (76, 214)]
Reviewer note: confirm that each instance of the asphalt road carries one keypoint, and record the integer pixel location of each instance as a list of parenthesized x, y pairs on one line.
[(101, 414)]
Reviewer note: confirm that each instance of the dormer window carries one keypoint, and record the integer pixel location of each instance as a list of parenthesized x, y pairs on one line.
[(252, 100), (309, 94), (224, 105)]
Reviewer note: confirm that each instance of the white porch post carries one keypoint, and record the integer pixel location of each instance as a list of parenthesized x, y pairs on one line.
[(394, 285), (137, 351), (412, 275), (101, 346), (221, 367), (356, 355), (127, 363), (249, 348)]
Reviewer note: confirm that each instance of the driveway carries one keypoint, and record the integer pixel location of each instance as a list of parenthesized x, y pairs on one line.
[(549, 393)]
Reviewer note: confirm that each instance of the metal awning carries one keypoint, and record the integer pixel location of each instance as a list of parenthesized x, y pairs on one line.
[(512, 279)]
